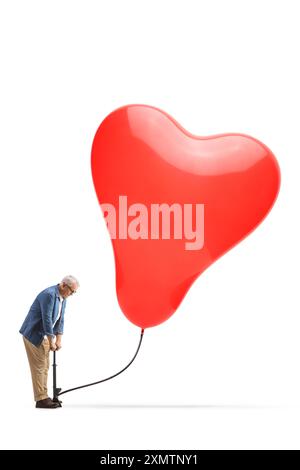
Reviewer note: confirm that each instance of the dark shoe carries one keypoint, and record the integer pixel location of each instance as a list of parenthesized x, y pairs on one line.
[(46, 403)]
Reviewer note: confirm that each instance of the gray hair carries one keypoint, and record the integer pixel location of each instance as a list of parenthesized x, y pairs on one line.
[(70, 280)]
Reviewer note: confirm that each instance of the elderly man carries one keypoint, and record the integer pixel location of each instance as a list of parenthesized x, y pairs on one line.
[(42, 331)]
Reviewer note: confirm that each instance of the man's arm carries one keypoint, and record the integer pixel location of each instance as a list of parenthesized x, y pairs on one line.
[(47, 305), (59, 327)]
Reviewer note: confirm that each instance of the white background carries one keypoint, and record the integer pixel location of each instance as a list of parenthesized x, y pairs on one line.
[(223, 372)]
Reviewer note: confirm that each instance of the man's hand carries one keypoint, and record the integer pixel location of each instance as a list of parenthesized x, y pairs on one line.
[(58, 342), (52, 344)]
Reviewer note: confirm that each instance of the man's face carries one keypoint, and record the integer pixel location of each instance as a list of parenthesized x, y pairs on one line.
[(67, 290)]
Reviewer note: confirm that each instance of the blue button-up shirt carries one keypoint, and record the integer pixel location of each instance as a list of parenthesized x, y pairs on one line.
[(42, 315)]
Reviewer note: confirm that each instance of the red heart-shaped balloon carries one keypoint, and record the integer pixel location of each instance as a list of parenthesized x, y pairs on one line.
[(174, 203)]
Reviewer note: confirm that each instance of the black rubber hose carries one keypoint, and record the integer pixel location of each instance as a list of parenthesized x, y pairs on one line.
[(112, 376)]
